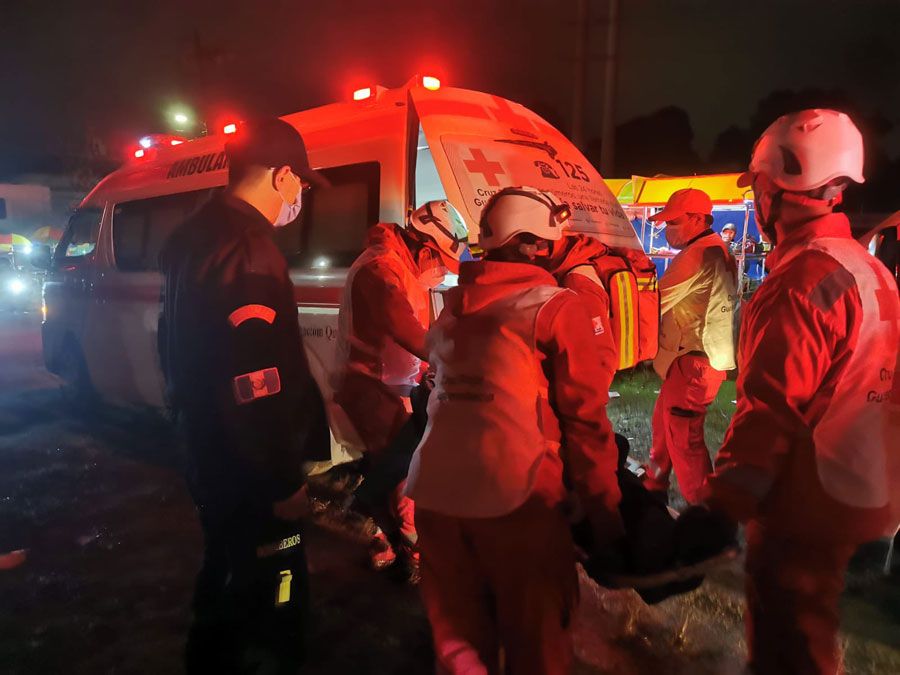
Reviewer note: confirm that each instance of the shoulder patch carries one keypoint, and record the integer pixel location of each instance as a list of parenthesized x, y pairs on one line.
[(830, 289)]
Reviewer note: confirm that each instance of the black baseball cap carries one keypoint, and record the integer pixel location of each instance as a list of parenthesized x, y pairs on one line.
[(272, 142)]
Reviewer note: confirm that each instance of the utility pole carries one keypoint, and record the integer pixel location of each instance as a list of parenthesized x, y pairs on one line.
[(582, 28), (608, 130)]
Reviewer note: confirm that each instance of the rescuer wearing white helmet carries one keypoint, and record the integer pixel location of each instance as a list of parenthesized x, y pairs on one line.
[(385, 312), (516, 370), (808, 462)]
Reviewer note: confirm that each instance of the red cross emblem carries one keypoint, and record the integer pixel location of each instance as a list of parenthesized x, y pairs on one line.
[(481, 164), (503, 112)]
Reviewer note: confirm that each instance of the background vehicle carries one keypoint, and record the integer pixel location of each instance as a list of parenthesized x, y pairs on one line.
[(384, 152), (18, 290)]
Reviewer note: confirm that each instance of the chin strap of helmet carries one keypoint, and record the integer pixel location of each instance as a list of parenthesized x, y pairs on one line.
[(829, 196)]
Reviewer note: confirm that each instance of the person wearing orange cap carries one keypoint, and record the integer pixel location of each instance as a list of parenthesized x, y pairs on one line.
[(696, 342)]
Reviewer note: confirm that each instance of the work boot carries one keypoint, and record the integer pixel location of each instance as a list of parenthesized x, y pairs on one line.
[(381, 553)]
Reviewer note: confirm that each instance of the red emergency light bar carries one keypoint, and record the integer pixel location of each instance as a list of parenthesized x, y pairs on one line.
[(431, 83), (139, 153), (230, 128), (362, 94)]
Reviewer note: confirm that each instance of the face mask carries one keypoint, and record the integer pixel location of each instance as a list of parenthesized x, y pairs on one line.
[(289, 212)]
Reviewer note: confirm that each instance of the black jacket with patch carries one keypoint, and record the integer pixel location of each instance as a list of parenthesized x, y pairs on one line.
[(221, 259)]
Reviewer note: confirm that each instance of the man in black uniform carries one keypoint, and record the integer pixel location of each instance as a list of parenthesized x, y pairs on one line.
[(240, 384)]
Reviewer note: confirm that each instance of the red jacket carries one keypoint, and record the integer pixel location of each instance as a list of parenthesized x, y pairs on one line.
[(798, 346), (383, 319), (575, 415), (573, 266)]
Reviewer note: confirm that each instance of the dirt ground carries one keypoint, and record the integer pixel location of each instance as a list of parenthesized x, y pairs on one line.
[(113, 545)]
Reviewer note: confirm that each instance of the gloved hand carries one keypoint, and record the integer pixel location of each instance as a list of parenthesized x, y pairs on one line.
[(701, 533)]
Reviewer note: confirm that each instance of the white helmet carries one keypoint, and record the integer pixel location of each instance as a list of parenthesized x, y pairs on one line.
[(518, 210), (805, 150), (442, 223)]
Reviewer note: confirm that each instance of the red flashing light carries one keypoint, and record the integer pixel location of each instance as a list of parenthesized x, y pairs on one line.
[(431, 83), (139, 153), (175, 141), (230, 128), (362, 94)]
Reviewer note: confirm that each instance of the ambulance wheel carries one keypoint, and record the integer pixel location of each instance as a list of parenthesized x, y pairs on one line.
[(77, 392)]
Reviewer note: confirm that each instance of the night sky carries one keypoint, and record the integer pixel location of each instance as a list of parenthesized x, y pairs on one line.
[(109, 68)]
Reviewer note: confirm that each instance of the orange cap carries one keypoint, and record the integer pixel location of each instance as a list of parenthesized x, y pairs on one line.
[(684, 201)]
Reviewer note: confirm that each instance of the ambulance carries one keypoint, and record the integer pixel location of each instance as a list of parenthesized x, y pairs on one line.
[(383, 151)]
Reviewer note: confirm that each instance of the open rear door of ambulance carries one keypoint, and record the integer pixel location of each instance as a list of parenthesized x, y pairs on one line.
[(481, 143)]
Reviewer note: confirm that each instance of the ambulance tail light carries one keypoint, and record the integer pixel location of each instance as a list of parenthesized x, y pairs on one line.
[(431, 83), (363, 94)]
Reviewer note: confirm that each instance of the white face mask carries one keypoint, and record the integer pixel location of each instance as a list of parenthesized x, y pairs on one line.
[(289, 212)]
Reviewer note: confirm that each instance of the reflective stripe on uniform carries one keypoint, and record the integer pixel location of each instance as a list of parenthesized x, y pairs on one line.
[(247, 312), (625, 313)]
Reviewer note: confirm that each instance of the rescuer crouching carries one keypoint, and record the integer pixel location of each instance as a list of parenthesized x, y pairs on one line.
[(385, 313)]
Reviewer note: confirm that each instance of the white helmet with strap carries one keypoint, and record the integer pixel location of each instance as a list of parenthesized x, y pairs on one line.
[(806, 150), (521, 210), (442, 223)]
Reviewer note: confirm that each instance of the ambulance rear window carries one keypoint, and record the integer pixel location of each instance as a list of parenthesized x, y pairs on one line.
[(331, 229), (141, 227)]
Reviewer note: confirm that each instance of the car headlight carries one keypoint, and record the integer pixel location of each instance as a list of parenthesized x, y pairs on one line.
[(16, 286)]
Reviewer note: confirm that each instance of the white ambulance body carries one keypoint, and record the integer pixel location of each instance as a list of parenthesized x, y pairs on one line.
[(389, 151)]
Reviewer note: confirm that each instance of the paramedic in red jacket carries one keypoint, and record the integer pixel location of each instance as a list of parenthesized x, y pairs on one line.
[(385, 312), (515, 405), (809, 462), (696, 342)]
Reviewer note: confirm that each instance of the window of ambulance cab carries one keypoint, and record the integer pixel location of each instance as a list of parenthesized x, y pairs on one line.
[(141, 227), (331, 229), (80, 238)]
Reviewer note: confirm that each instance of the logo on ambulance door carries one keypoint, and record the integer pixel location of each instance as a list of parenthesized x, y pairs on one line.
[(483, 166)]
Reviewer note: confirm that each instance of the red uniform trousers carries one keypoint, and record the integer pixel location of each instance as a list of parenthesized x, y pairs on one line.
[(678, 440), (507, 582), (793, 588)]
